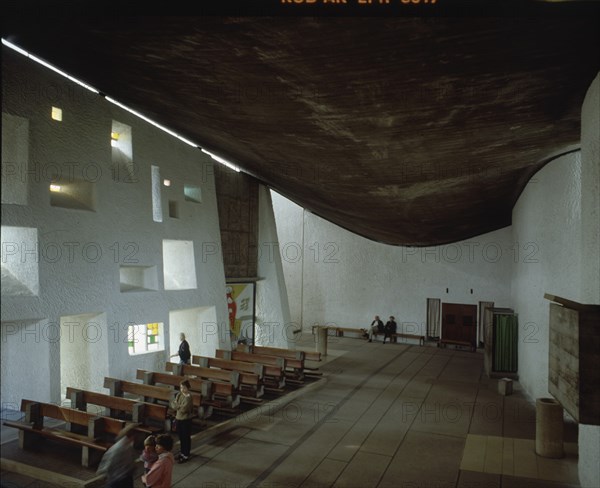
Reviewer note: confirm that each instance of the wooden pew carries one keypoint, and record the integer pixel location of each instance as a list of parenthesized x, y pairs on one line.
[(251, 374), (276, 351), (149, 392), (330, 328), (443, 342), (212, 374), (293, 354), (312, 356), (151, 415), (294, 358), (394, 337), (216, 393), (339, 331), (99, 436), (417, 337), (274, 367)]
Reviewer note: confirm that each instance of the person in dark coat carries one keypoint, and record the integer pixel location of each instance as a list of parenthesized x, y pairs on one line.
[(389, 328), (184, 351)]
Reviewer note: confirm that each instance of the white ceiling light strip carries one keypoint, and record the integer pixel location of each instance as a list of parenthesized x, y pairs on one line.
[(48, 65), (150, 121), (118, 104), (222, 161)]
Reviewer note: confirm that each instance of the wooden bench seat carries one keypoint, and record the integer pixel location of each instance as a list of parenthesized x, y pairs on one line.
[(150, 415), (151, 393), (250, 374), (312, 356), (330, 328), (444, 342), (219, 394), (274, 367), (394, 337), (96, 433), (339, 331)]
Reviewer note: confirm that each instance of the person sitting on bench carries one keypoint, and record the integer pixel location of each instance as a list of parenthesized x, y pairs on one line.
[(376, 327), (389, 329)]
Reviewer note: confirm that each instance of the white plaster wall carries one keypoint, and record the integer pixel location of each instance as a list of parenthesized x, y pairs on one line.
[(273, 323), (81, 251), (559, 210), (289, 219), (345, 279), (26, 348), (548, 214), (200, 328), (81, 340), (589, 436)]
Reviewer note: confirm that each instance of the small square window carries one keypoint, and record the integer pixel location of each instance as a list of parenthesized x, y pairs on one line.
[(192, 193), (57, 114), (173, 209)]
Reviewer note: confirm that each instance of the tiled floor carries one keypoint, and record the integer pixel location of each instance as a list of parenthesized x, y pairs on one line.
[(391, 415)]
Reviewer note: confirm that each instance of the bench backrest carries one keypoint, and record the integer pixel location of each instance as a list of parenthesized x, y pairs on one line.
[(312, 356), (274, 351), (250, 373), (253, 358), (74, 416), (205, 387), (151, 410), (231, 377), (149, 391)]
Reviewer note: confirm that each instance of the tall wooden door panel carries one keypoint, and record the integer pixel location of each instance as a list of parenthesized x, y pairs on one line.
[(459, 322)]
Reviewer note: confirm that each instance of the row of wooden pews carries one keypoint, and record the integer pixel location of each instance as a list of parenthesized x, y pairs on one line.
[(251, 375), (221, 383)]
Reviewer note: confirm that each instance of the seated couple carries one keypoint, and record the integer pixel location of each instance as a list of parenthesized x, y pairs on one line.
[(377, 327)]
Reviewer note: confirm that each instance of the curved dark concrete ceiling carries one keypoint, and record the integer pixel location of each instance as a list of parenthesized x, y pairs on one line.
[(414, 131)]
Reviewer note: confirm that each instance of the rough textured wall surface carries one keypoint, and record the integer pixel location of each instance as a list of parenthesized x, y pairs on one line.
[(80, 252), (547, 214), (334, 276), (589, 436), (273, 324), (559, 210)]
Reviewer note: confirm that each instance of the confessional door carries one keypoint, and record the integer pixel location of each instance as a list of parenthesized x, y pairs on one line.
[(459, 323)]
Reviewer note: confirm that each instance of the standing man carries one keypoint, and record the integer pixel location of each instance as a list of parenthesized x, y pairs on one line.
[(376, 326), (390, 328), (184, 351)]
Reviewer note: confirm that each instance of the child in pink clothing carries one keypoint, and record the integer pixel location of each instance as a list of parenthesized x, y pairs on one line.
[(149, 455), (161, 471)]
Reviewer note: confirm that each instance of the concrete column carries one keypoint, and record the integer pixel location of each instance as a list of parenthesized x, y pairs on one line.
[(321, 340), (549, 428)]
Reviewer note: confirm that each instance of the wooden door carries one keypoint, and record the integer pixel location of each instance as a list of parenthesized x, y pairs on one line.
[(459, 322)]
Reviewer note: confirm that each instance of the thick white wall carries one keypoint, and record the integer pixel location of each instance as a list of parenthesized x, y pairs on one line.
[(559, 211), (589, 436), (273, 323), (548, 214), (345, 279), (81, 251)]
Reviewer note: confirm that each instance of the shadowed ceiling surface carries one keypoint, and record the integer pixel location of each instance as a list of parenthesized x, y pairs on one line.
[(412, 131)]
